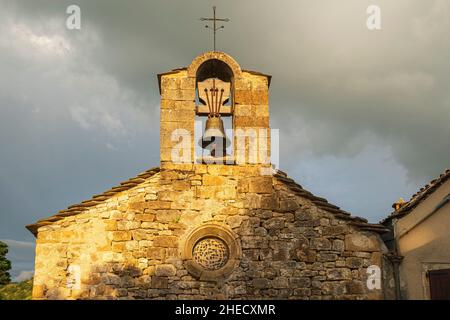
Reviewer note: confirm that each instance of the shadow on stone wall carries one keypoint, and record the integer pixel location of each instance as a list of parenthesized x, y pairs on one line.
[(118, 281)]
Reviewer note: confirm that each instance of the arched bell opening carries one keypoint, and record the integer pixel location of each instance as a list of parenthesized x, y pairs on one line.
[(214, 112), (214, 68)]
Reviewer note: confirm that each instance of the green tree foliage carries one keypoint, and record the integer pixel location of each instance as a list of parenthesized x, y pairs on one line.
[(5, 264), (17, 291)]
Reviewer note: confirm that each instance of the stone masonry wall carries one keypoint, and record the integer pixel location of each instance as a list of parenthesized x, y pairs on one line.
[(131, 246)]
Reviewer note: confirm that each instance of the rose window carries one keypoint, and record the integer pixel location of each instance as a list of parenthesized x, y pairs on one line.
[(210, 253)]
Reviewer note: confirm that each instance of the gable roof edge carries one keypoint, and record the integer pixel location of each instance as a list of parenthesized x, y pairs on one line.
[(95, 200), (418, 197), (322, 203)]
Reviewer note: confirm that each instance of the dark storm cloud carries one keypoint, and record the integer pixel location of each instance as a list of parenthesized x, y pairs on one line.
[(79, 109), (327, 67)]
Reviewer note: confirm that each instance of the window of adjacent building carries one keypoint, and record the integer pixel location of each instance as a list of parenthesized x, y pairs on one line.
[(439, 284)]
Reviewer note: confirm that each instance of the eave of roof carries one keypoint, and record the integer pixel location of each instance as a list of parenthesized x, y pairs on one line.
[(97, 199), (419, 197)]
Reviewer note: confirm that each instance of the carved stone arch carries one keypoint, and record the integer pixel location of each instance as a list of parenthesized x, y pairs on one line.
[(214, 55)]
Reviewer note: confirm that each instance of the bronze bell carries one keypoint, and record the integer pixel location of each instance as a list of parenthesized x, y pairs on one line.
[(214, 131)]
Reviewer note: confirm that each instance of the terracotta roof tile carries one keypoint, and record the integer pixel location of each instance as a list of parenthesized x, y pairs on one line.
[(419, 196)]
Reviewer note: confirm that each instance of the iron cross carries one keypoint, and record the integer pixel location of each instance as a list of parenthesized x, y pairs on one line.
[(214, 20)]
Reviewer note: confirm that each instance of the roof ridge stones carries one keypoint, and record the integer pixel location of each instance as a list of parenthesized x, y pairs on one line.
[(281, 176), (323, 204)]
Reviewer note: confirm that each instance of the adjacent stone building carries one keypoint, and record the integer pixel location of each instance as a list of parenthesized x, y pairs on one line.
[(193, 229)]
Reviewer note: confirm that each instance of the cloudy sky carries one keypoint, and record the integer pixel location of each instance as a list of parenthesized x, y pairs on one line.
[(363, 115)]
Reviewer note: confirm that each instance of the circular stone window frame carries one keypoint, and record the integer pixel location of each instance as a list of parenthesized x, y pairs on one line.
[(211, 231)]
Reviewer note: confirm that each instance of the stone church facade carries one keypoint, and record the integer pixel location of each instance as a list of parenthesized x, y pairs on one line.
[(200, 230)]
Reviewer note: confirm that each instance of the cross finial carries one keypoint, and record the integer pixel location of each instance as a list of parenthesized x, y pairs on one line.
[(214, 27)]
